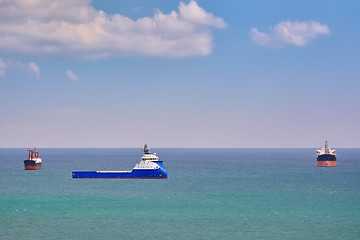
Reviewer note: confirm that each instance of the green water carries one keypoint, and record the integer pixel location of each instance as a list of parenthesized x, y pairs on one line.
[(210, 194)]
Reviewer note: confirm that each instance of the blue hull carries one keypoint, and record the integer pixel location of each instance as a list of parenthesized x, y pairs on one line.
[(135, 173)]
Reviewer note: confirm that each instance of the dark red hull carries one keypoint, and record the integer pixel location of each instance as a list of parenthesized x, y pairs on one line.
[(32, 165)]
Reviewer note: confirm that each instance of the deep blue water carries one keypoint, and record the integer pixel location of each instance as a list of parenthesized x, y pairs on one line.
[(210, 194)]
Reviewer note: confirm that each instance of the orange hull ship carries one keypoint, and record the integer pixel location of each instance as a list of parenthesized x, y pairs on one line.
[(326, 157), (34, 161)]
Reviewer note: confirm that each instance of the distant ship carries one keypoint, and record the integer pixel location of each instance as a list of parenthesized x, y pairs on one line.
[(326, 157), (34, 161), (150, 166)]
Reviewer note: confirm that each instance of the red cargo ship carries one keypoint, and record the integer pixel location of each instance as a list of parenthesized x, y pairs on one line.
[(34, 161), (326, 157)]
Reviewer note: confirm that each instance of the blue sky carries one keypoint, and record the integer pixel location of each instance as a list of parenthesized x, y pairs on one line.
[(179, 73)]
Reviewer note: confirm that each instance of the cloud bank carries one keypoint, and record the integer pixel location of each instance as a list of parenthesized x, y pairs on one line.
[(75, 28), (289, 33)]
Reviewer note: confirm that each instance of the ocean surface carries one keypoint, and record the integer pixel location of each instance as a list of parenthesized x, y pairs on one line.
[(210, 194)]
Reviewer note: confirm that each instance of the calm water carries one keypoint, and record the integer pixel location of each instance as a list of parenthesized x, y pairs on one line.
[(210, 194)]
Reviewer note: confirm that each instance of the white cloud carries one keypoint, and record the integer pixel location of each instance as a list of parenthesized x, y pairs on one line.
[(289, 33), (193, 13), (35, 69), (72, 76), (75, 28), (18, 66)]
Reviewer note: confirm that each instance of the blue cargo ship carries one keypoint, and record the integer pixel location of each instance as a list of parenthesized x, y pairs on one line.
[(150, 166)]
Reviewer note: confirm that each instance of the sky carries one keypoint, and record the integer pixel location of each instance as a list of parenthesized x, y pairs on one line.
[(179, 74)]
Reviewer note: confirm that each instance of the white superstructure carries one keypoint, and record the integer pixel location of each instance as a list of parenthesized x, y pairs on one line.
[(325, 150), (37, 160), (148, 160)]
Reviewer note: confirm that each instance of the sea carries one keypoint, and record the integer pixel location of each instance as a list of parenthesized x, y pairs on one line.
[(209, 194)]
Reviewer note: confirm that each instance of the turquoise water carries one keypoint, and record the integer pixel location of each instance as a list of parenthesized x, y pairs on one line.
[(210, 194)]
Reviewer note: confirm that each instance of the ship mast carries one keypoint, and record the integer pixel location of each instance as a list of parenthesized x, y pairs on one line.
[(326, 147), (33, 154), (146, 149)]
